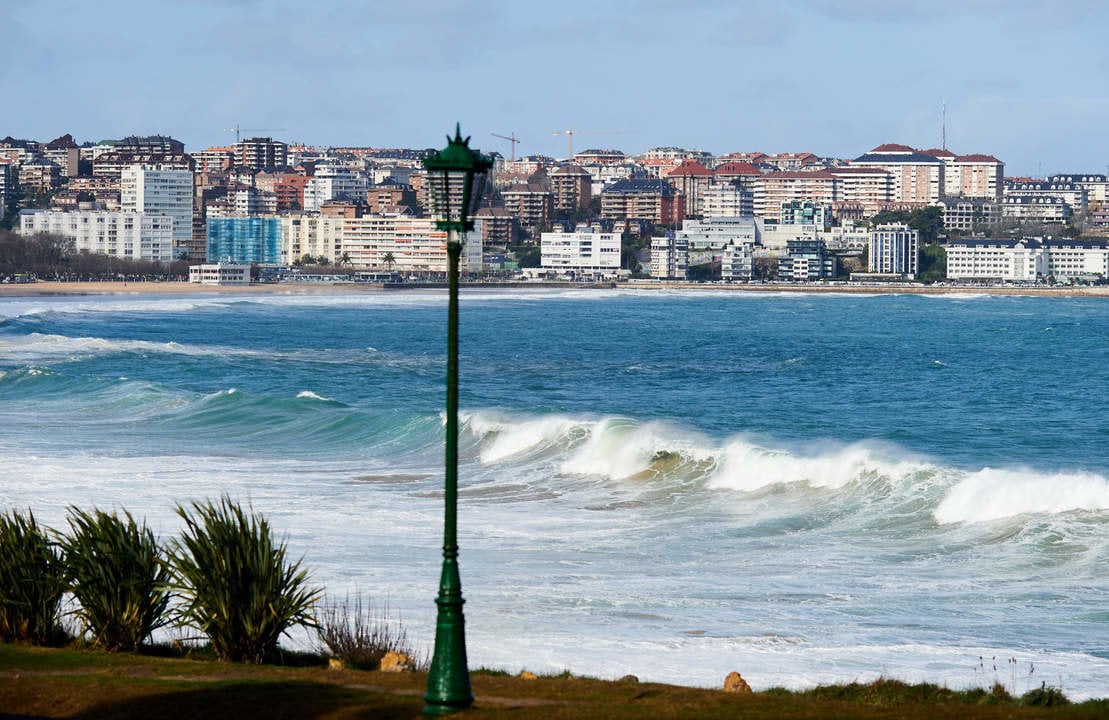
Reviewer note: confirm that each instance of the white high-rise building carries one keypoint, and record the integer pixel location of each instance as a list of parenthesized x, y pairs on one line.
[(131, 235), (584, 252), (157, 190)]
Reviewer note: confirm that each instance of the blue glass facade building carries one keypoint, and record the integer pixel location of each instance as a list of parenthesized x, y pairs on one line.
[(245, 240)]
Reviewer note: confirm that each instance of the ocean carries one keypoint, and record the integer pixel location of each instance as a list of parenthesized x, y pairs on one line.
[(807, 489)]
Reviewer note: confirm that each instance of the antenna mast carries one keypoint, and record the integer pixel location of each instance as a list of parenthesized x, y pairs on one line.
[(943, 126)]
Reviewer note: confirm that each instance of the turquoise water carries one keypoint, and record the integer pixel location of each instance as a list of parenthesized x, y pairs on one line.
[(803, 488)]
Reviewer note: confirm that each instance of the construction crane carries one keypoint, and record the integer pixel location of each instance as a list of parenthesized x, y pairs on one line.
[(238, 131), (570, 137), (512, 139)]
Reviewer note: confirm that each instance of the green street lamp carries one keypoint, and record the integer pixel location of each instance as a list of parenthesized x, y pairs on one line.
[(456, 180)]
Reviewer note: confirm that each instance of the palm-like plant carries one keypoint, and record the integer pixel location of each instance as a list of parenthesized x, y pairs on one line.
[(32, 581), (237, 585), (120, 578)]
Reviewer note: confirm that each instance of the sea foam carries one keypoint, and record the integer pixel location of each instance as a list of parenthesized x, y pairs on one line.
[(994, 494)]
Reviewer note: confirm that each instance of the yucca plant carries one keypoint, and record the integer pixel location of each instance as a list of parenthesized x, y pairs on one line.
[(236, 583), (32, 582), (119, 576)]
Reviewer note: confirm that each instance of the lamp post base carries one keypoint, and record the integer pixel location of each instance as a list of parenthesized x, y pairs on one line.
[(448, 680)]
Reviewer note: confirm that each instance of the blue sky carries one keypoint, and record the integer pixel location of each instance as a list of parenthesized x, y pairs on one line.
[(1024, 80)]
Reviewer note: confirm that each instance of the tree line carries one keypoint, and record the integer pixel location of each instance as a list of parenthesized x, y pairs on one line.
[(46, 256)]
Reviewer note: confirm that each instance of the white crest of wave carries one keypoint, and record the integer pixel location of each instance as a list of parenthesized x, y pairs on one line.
[(618, 448), (39, 346), (748, 467), (308, 394), (503, 438), (994, 494)]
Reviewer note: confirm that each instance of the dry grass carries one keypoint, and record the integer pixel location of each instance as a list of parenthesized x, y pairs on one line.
[(51, 683)]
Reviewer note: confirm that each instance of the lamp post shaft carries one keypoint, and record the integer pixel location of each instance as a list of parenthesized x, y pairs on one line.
[(448, 681)]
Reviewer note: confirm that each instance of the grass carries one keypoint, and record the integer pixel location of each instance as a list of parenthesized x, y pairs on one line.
[(55, 683)]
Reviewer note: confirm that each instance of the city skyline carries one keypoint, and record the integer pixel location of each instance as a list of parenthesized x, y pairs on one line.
[(807, 76)]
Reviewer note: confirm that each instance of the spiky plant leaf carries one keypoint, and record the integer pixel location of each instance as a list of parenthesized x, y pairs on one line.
[(237, 585), (32, 581), (119, 576)]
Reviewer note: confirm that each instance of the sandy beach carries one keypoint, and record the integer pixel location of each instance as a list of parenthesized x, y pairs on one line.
[(48, 288)]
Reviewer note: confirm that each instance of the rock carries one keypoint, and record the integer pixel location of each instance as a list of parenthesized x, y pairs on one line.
[(735, 683), (396, 662), (525, 675), (628, 678), (336, 664)]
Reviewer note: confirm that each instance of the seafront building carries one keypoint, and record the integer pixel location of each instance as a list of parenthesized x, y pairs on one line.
[(245, 239), (894, 250), (123, 234), (586, 252), (806, 261), (1027, 260), (158, 190)]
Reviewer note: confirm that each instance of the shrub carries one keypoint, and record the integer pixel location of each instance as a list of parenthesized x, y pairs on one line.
[(1044, 696), (118, 575), (359, 635), (32, 582), (236, 584)]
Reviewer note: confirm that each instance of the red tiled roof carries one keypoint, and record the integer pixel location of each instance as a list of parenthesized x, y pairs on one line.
[(892, 147), (938, 152), (977, 158), (737, 168), (690, 167)]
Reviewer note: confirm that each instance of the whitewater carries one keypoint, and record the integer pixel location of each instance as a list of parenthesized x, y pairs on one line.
[(806, 489)]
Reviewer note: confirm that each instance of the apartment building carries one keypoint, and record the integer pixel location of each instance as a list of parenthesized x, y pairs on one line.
[(213, 160), (333, 183), (806, 260), (691, 179), (127, 234), (870, 188), (245, 239), (737, 262), (585, 252), (969, 214), (5, 183), (727, 199), (655, 201), (774, 189), (261, 153), (669, 257), (1027, 259), (160, 190), (499, 227), (805, 212), (572, 187), (1074, 195), (1096, 186), (916, 177), (414, 244), (531, 203), (39, 175), (1036, 208), (894, 250)]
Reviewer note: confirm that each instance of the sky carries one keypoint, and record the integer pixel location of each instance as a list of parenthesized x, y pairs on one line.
[(1024, 80)]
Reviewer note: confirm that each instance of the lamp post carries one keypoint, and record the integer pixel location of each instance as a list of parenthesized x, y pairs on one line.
[(456, 179)]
